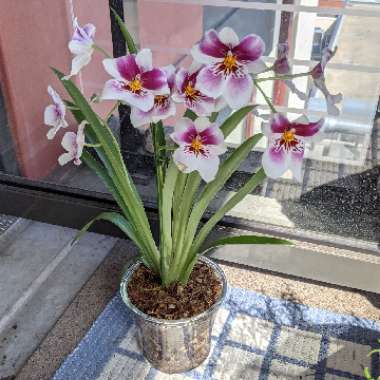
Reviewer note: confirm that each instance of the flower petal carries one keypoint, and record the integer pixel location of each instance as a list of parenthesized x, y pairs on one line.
[(208, 167), (79, 47), (180, 79), (210, 83), (307, 130), (201, 124), (127, 67), (279, 123), (238, 91), (114, 90), (274, 161), (140, 118), (50, 115), (250, 48), (110, 66), (155, 80), (52, 132), (90, 30), (69, 141), (184, 131), (212, 46), (79, 62), (169, 71), (256, 67), (144, 60), (164, 111), (64, 158), (80, 138), (204, 106), (185, 160), (295, 160), (228, 37)]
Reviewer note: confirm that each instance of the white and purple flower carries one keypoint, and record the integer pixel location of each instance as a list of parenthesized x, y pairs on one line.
[(318, 75), (186, 92), (135, 81), (73, 143), (200, 145), (163, 106), (228, 64), (54, 114), (286, 145), (82, 46), (281, 66)]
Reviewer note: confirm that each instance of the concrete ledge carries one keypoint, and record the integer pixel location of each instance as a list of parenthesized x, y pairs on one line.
[(40, 273)]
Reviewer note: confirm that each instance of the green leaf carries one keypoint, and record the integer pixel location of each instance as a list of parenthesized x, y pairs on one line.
[(190, 114), (111, 156), (245, 239), (211, 189), (367, 374), (117, 219), (127, 36), (248, 187), (167, 206), (233, 121)]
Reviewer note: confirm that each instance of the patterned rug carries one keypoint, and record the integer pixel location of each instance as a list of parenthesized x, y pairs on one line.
[(255, 337)]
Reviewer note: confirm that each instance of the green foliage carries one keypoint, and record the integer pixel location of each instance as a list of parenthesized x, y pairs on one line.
[(127, 36)]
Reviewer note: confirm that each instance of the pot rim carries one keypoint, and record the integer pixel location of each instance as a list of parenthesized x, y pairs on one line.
[(176, 322)]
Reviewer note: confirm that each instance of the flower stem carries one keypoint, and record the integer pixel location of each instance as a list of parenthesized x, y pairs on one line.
[(109, 114), (98, 48), (283, 77), (270, 104)]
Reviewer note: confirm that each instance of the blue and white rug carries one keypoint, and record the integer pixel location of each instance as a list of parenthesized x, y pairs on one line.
[(255, 337)]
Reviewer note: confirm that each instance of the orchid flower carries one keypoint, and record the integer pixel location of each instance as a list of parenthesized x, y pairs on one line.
[(186, 92), (82, 46), (200, 144), (54, 114), (73, 143), (318, 75), (228, 64), (281, 66), (163, 106), (286, 145), (135, 81)]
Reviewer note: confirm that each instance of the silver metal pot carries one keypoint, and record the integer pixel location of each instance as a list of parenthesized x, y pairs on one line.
[(174, 346)]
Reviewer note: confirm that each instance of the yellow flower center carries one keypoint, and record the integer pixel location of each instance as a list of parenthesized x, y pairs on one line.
[(160, 99), (135, 85), (197, 145), (229, 61), (190, 91), (289, 136)]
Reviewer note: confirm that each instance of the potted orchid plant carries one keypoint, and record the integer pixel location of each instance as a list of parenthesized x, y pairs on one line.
[(173, 290)]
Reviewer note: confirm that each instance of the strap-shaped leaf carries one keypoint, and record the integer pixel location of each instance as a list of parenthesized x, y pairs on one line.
[(117, 219), (233, 121), (127, 36), (211, 189), (114, 163), (248, 187), (245, 239), (167, 206)]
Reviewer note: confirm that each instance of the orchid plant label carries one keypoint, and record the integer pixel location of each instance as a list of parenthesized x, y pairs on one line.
[(226, 71)]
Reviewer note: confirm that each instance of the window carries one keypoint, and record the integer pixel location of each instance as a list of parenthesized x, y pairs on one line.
[(338, 199)]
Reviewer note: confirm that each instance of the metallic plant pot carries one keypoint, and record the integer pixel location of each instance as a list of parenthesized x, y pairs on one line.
[(174, 346)]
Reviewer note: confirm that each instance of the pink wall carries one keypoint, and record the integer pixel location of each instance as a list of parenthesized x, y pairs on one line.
[(34, 35), (170, 27)]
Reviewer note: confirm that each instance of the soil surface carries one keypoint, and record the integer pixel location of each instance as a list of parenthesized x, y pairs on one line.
[(177, 301)]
